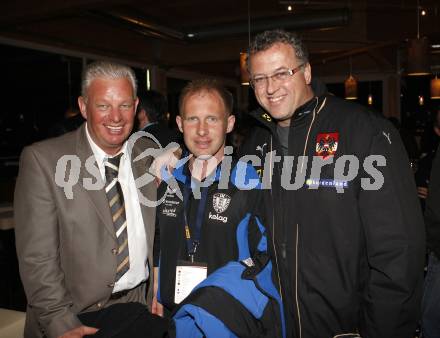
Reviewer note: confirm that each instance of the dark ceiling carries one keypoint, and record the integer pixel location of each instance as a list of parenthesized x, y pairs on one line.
[(207, 36)]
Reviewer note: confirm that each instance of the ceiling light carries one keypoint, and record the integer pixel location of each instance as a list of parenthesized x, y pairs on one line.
[(418, 53), (435, 88), (244, 74), (350, 85), (423, 12), (370, 95), (418, 57), (289, 8)]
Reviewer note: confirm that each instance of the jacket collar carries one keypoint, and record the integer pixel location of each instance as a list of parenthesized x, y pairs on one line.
[(183, 174), (264, 118), (300, 113)]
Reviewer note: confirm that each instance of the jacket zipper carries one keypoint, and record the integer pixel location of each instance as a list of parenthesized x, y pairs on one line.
[(297, 225), (273, 225), (296, 281), (315, 113)]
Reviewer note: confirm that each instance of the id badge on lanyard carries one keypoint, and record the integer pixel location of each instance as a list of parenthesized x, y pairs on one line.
[(188, 275), (188, 272)]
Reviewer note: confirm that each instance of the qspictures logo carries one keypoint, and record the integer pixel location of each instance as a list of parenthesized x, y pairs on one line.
[(346, 168)]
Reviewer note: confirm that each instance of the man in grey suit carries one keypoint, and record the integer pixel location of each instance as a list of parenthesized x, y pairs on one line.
[(84, 239)]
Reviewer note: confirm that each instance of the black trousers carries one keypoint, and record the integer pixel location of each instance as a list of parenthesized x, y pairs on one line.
[(125, 320)]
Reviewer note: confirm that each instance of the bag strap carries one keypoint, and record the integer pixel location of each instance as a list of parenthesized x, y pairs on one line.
[(242, 237)]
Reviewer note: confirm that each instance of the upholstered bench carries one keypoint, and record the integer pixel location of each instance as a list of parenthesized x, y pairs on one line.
[(11, 323)]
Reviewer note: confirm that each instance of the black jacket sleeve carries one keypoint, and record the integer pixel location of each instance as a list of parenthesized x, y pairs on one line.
[(395, 243), (432, 212)]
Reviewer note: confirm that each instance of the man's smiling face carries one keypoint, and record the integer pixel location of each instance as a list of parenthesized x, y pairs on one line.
[(281, 98), (109, 109)]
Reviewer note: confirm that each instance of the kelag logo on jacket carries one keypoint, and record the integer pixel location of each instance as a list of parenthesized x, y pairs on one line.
[(220, 202)]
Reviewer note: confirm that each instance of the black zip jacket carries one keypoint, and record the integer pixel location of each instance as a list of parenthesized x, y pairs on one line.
[(349, 262), (225, 208)]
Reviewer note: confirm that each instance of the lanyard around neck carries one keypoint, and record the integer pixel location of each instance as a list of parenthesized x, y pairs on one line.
[(193, 240)]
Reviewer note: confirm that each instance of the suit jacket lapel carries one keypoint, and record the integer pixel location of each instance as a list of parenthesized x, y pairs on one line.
[(98, 198)]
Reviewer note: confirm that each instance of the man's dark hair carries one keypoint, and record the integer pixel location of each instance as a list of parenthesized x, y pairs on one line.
[(207, 85), (267, 39), (154, 104)]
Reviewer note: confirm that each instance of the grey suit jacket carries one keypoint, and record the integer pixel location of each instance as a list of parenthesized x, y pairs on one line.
[(65, 246)]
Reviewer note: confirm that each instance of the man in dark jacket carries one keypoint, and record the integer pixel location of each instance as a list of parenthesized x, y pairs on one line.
[(197, 235), (431, 297), (347, 229), (425, 163)]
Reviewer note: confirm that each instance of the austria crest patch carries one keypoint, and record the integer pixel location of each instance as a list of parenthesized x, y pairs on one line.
[(326, 144)]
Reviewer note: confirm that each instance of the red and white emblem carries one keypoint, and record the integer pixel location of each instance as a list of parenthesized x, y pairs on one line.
[(326, 144)]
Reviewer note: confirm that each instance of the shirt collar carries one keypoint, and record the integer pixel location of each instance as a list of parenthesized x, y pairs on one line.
[(149, 124), (306, 108)]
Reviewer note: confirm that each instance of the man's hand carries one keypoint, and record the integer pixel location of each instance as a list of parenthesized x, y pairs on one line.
[(156, 308), (422, 192), (79, 332), (168, 160)]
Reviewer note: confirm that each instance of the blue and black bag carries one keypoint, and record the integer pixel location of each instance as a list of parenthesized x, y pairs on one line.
[(237, 300)]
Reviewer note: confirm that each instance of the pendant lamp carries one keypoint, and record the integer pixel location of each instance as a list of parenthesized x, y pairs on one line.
[(244, 73), (350, 85), (435, 88), (418, 52)]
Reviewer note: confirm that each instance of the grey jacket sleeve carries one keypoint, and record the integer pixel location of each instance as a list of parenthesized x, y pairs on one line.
[(37, 241)]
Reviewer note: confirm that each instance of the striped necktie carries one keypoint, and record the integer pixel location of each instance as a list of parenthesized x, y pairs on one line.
[(117, 208)]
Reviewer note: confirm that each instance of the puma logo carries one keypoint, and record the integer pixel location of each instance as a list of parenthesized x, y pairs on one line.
[(261, 148), (387, 136)]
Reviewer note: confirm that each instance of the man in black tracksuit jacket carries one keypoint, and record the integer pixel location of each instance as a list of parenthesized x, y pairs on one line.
[(225, 209), (348, 244), (201, 229), (431, 296)]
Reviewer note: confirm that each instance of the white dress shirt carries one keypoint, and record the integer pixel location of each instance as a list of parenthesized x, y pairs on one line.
[(137, 243)]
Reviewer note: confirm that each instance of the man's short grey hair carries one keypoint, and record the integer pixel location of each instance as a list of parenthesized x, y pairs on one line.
[(108, 70), (267, 39)]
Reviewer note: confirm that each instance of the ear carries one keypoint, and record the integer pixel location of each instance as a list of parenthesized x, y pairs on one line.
[(179, 122), (231, 123), (308, 73), (82, 107)]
